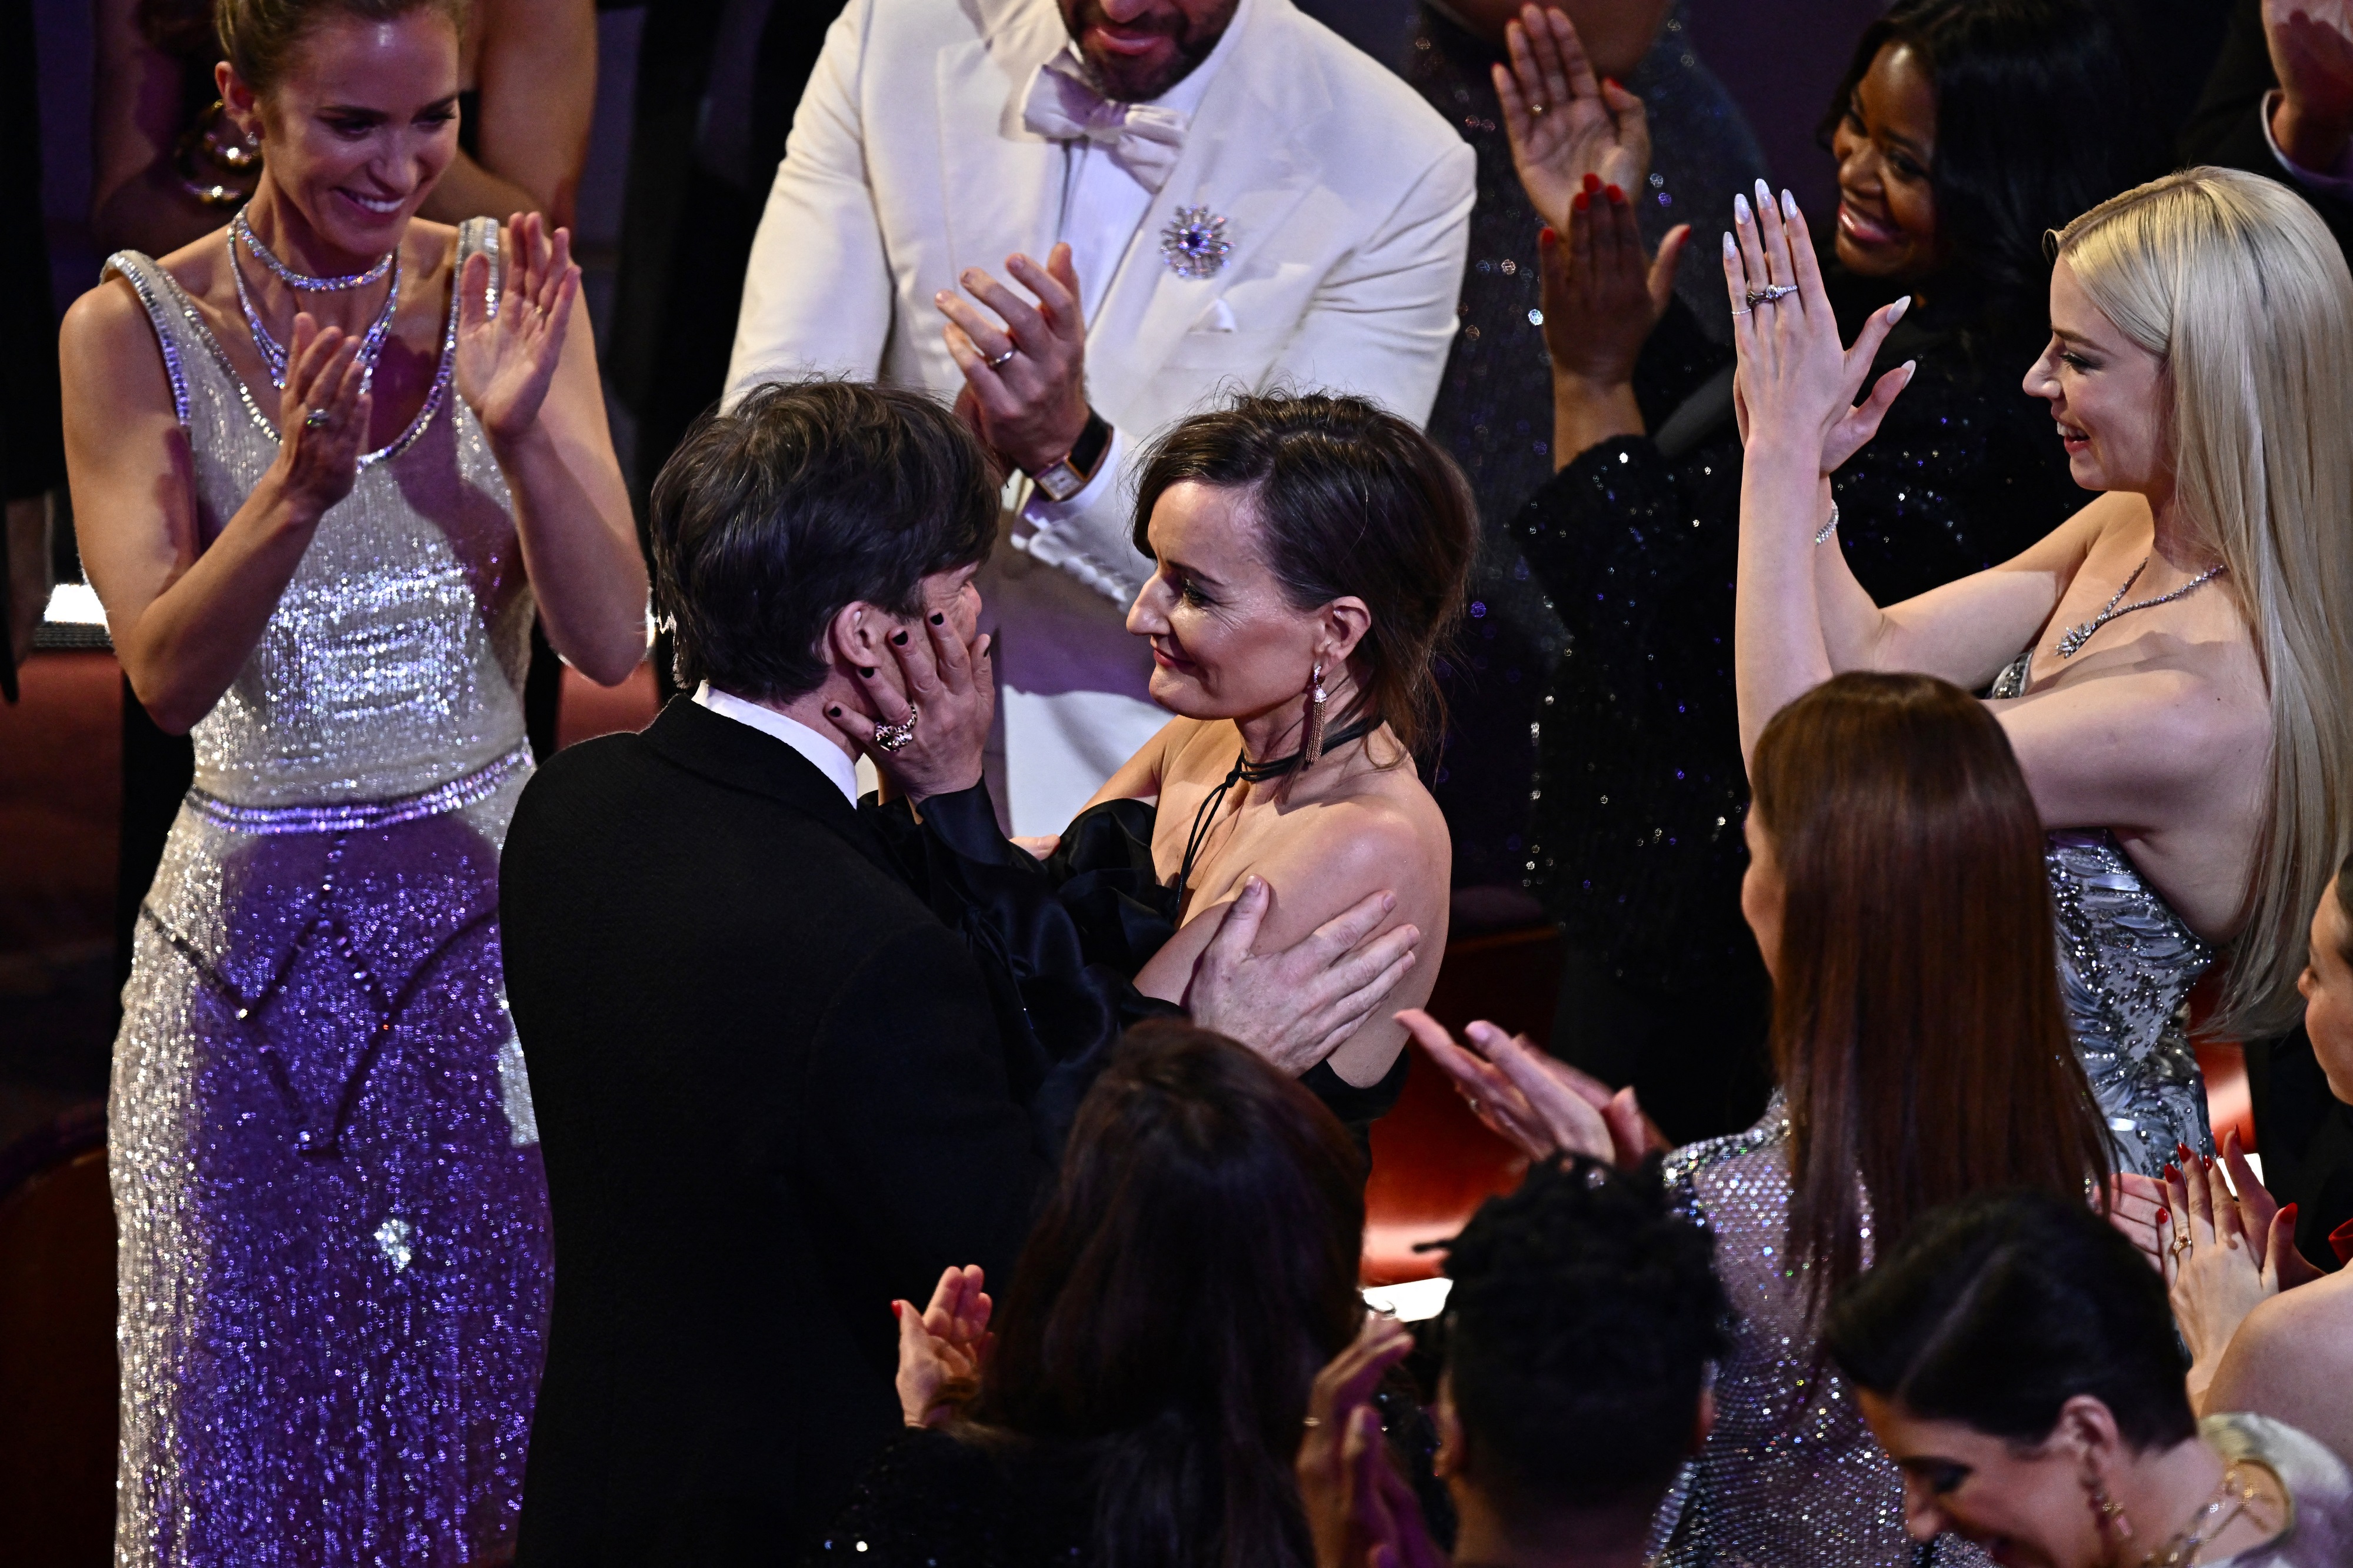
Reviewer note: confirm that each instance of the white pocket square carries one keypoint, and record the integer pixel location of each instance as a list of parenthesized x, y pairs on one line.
[(1217, 318)]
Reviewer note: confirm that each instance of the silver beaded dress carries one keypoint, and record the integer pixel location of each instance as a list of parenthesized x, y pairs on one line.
[(1789, 1477), (334, 1252), (2127, 964)]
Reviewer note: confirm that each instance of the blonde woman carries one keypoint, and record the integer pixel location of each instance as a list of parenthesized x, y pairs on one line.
[(2171, 664)]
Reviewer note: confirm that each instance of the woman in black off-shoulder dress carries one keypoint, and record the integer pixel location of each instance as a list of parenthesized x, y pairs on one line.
[(1962, 135)]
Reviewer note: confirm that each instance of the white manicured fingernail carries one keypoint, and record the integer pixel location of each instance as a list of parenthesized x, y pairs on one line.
[(1789, 205), (1764, 194), (1739, 208), (1895, 312), (1728, 251)]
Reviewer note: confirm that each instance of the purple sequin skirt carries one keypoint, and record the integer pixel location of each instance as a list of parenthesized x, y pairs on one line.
[(334, 1253)]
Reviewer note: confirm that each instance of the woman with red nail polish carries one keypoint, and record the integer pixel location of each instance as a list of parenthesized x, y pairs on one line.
[(1958, 147)]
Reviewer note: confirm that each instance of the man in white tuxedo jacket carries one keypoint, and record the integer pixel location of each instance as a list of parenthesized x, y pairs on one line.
[(1249, 202)]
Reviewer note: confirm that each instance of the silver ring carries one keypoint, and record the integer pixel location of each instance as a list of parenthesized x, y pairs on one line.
[(316, 420), (1770, 293), (894, 737), (1742, 311), (1538, 108), (1474, 1104), (1000, 362), (1311, 1421)]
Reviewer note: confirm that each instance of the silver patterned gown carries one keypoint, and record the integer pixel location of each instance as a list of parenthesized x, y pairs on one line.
[(1789, 1477), (335, 1246), (2127, 964)]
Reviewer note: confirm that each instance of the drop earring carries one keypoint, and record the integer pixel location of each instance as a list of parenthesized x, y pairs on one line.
[(1313, 749)]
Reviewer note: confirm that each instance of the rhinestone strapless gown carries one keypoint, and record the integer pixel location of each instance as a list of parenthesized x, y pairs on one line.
[(334, 1252), (2127, 964)]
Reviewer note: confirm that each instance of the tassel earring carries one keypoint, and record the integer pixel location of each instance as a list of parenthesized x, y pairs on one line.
[(1313, 749)]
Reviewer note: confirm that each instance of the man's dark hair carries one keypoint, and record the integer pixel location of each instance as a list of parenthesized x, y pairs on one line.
[(1584, 1315), (806, 497), (1996, 1311)]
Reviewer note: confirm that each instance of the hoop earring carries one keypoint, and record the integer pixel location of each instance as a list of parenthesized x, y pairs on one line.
[(1313, 749)]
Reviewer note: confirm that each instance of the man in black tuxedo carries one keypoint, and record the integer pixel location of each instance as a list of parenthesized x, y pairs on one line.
[(771, 1090)]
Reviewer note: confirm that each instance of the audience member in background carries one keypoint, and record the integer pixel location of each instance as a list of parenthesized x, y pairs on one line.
[(1921, 1052), (1581, 1336), (322, 474), (714, 961), (2266, 1332), (1685, 149), (1311, 553), (1144, 1399), (2201, 346), (1964, 132), (2017, 1362), (171, 163), (2280, 102), (1199, 195)]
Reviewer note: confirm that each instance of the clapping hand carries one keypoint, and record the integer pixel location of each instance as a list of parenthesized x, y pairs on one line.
[(2222, 1262), (1360, 1512), (2311, 44), (941, 1347), (507, 360), (1602, 295), (1563, 125), (1534, 1101), (322, 417), (1796, 383), (948, 689), (1025, 368)]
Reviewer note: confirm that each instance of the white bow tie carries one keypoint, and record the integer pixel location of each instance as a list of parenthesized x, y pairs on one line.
[(1142, 139)]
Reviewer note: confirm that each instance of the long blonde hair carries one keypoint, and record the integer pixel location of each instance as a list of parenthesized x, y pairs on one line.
[(2234, 284)]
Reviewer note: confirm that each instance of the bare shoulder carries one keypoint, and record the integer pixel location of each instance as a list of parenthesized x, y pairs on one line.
[(107, 344)]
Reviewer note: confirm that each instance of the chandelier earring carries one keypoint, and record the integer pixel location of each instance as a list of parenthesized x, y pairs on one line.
[(1314, 748), (2111, 1512)]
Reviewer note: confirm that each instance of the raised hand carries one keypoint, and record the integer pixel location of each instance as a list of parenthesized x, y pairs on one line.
[(1797, 385), (1602, 295), (322, 417), (1025, 368), (1532, 1100), (2213, 1274), (1297, 1006), (949, 692), (2311, 44), (507, 358), (941, 1347), (1563, 125)]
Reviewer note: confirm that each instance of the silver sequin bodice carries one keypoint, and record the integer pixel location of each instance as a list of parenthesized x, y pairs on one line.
[(392, 662), (1789, 1477), (2126, 965)]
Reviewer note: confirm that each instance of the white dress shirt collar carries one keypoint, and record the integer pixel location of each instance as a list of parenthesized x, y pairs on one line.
[(827, 755)]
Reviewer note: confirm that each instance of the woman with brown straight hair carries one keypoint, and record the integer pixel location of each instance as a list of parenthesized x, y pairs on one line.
[(1896, 888)]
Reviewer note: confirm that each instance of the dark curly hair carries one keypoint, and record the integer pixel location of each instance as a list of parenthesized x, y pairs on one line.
[(1584, 1315), (2040, 115), (1349, 499)]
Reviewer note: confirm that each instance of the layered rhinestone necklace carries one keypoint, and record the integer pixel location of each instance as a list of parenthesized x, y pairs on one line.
[(272, 351)]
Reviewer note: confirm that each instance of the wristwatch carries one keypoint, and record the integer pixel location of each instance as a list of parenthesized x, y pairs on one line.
[(1067, 475)]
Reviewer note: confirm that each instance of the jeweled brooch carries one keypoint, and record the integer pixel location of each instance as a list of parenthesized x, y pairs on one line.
[(1194, 244)]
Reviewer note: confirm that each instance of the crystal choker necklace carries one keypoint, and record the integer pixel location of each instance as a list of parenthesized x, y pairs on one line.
[(294, 280), (273, 352)]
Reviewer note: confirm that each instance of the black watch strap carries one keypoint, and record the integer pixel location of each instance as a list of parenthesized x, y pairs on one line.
[(1087, 451)]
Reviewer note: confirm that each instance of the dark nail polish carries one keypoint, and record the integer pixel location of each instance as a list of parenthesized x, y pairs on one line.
[(1592, 184), (1580, 201), (2170, 1174), (1546, 235), (1610, 81), (938, 619), (2165, 1217), (2183, 1149), (867, 670), (899, 639), (834, 711), (1616, 196)]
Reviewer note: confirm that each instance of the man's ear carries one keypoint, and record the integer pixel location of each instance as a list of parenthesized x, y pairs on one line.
[(858, 636)]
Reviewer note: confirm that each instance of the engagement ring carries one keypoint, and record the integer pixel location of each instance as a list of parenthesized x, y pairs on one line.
[(1770, 293)]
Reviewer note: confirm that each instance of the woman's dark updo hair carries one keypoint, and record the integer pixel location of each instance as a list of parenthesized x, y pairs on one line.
[(258, 37), (1349, 499), (1194, 1270), (1996, 1311), (2041, 116)]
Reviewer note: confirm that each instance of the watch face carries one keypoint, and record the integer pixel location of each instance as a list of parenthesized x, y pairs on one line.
[(1059, 481)]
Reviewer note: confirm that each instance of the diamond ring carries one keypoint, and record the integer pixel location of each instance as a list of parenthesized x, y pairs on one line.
[(894, 737), (1770, 293)]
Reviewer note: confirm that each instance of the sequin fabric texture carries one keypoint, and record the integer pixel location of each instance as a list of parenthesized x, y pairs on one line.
[(1494, 412), (1791, 1477), (2126, 963), (334, 1253)]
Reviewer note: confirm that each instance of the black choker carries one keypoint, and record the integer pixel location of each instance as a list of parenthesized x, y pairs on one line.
[(1247, 772)]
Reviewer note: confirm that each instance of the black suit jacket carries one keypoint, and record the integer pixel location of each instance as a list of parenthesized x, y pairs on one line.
[(2227, 127), (771, 1099)]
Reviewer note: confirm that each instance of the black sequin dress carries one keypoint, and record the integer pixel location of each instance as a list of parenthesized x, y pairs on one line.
[(1493, 413), (1636, 844)]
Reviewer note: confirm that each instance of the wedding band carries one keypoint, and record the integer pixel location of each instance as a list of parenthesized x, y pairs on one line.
[(1002, 360), (1742, 311), (316, 420), (1538, 108), (1312, 1421), (1770, 293), (893, 737)]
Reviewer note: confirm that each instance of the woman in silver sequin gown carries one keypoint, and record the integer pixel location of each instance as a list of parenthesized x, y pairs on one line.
[(2179, 708), (334, 1252)]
